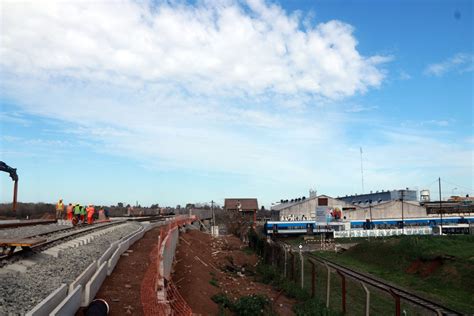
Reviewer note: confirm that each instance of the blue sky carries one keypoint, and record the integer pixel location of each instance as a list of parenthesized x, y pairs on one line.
[(175, 102)]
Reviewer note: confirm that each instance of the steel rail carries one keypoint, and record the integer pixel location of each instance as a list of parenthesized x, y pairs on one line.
[(389, 288), (54, 240)]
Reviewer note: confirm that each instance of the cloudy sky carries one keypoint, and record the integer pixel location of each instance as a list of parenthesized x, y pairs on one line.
[(173, 101)]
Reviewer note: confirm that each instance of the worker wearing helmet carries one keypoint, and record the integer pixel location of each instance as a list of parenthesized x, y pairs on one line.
[(90, 213), (59, 209), (83, 213), (69, 211), (77, 212)]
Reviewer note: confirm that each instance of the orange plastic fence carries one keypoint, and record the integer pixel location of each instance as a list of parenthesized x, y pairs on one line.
[(158, 295)]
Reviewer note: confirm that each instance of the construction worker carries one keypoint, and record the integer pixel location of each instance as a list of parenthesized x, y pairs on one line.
[(83, 213), (59, 209), (77, 212), (90, 214), (69, 211)]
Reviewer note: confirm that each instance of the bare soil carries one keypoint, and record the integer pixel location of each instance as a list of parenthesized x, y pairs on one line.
[(206, 266), (121, 290), (424, 268)]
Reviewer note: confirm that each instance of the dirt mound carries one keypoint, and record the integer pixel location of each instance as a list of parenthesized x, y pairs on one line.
[(206, 266), (424, 268)]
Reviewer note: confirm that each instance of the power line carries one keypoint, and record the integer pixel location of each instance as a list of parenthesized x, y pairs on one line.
[(459, 185), (430, 185)]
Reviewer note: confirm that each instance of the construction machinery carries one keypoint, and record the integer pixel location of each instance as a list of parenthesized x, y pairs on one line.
[(12, 171)]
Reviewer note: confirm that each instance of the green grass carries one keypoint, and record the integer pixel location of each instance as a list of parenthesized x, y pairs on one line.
[(451, 283), (245, 306), (248, 251), (214, 282), (307, 306)]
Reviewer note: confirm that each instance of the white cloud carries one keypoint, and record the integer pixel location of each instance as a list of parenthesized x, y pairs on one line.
[(460, 62), (357, 108), (212, 48), (239, 89), (403, 75), (174, 82)]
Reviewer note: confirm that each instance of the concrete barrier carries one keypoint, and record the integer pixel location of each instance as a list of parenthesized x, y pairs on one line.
[(84, 276), (50, 302), (107, 254), (70, 304), (113, 261), (94, 284), (138, 235), (123, 246)]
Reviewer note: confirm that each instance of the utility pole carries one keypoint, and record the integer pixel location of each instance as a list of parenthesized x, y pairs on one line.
[(213, 216), (362, 170), (440, 207), (370, 211), (403, 218)]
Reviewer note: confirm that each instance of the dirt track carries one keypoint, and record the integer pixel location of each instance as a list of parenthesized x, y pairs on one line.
[(122, 289)]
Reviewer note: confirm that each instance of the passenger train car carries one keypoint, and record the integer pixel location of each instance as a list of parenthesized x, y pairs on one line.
[(313, 227), (419, 221)]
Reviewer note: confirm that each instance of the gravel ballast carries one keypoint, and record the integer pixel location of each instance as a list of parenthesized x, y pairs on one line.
[(29, 231), (21, 292)]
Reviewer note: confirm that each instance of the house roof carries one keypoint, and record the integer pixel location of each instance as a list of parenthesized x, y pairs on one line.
[(246, 203)]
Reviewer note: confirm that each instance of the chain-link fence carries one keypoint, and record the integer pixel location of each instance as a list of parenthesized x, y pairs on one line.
[(334, 287)]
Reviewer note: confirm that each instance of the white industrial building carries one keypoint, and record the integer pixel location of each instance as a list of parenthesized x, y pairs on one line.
[(305, 208)]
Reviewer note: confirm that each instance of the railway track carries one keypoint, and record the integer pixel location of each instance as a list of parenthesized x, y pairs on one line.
[(394, 290), (63, 235)]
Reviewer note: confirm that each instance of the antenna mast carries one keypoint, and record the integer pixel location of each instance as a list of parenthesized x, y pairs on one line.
[(362, 170)]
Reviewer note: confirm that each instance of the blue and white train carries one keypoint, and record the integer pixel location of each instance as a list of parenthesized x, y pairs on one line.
[(418, 221), (313, 227)]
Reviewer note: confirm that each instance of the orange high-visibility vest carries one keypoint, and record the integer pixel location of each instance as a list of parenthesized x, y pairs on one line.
[(90, 211), (69, 208)]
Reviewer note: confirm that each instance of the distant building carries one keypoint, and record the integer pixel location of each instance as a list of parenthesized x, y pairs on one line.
[(379, 197), (386, 209), (454, 205), (377, 205), (305, 208), (245, 205)]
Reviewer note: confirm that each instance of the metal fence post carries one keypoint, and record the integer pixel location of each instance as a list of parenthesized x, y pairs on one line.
[(273, 254), (343, 290), (367, 299), (286, 255), (302, 269), (397, 302), (292, 266), (313, 278), (328, 287)]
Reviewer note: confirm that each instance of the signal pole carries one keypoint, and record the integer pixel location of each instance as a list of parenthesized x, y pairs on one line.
[(440, 206)]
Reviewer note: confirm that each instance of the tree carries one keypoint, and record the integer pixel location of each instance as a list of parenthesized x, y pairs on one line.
[(119, 204)]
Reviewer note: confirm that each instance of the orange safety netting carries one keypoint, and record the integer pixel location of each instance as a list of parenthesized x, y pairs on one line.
[(159, 296)]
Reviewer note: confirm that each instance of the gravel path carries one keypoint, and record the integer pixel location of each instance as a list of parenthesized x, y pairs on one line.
[(28, 231), (20, 293)]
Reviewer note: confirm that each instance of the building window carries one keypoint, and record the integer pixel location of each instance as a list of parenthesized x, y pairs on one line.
[(322, 201)]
